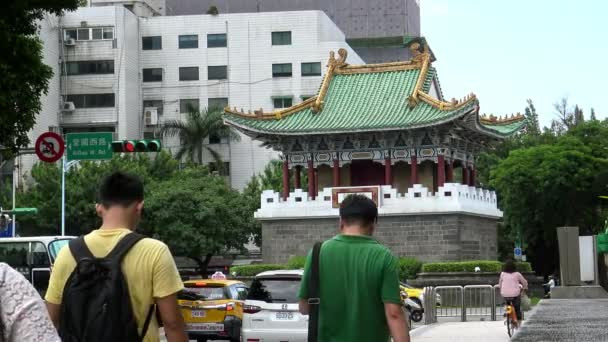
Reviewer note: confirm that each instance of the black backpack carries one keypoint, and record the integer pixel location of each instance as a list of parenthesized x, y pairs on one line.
[(96, 304)]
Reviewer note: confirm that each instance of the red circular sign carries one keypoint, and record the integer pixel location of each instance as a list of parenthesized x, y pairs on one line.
[(49, 147)]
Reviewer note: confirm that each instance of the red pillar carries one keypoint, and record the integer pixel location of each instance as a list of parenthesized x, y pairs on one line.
[(414, 170), (336, 173), (472, 174), (285, 179), (449, 177), (440, 170), (388, 176), (316, 173), (465, 174), (296, 177), (311, 180)]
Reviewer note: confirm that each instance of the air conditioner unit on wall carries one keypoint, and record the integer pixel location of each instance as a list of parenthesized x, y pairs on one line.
[(151, 116), (68, 107), (70, 42)]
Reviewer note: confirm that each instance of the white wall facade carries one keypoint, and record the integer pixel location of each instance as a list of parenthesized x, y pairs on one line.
[(249, 56)]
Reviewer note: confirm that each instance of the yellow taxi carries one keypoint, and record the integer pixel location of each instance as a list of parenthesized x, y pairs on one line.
[(213, 309), (416, 294), (413, 293)]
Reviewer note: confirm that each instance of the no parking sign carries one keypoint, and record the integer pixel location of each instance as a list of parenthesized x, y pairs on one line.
[(49, 147)]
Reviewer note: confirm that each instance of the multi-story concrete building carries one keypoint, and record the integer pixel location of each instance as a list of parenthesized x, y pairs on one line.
[(375, 29), (119, 72)]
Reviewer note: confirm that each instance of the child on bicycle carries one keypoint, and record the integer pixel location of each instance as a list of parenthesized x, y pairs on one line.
[(511, 285)]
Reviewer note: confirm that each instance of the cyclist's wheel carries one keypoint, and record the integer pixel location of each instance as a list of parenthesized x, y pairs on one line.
[(510, 328)]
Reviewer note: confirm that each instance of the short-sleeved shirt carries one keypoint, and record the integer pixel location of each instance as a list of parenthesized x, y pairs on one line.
[(148, 267), (357, 276), (23, 316)]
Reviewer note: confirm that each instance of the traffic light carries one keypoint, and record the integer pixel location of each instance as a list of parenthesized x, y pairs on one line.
[(129, 146), (147, 145)]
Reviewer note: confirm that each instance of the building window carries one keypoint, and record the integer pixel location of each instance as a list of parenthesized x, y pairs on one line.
[(149, 135), (218, 72), (306, 97), (152, 43), (89, 67), (153, 75), (189, 41), (103, 33), (311, 69), (216, 40), (223, 170), (282, 102), (91, 100), (68, 130), (82, 34), (217, 103), (70, 34), (158, 104), (281, 38), (188, 105), (89, 33), (281, 70), (188, 74)]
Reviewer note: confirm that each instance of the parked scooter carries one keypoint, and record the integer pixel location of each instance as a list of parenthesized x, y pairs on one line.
[(415, 311)]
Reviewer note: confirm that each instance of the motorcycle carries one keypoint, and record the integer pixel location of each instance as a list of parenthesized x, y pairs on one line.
[(414, 309)]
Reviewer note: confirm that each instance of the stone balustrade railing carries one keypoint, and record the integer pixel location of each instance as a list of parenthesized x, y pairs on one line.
[(450, 198)]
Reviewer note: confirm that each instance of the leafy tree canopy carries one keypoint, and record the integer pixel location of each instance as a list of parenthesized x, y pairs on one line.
[(24, 76)]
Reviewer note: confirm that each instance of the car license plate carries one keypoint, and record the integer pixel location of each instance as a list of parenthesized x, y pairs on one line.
[(198, 313), (284, 316), (205, 327)]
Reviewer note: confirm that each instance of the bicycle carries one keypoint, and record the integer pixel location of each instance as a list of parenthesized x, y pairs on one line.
[(510, 317)]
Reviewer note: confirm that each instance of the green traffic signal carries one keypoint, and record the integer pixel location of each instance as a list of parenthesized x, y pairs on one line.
[(128, 146)]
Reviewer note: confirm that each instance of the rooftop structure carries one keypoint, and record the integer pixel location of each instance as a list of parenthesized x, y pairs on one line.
[(383, 130)]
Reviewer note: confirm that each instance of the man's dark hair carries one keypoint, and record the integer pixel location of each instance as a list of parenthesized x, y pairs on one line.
[(510, 266), (358, 209), (121, 189)]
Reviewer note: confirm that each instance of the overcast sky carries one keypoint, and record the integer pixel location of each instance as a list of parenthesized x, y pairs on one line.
[(508, 51)]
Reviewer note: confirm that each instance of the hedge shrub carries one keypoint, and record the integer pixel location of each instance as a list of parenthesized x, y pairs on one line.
[(252, 270), (469, 266), (463, 266), (296, 262), (408, 268), (523, 266)]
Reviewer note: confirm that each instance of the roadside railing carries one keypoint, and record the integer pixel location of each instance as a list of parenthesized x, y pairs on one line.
[(461, 303)]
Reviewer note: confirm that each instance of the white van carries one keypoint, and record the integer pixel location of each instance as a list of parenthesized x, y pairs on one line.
[(271, 309), (33, 256)]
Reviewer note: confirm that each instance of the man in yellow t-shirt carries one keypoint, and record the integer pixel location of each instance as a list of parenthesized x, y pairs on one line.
[(148, 267)]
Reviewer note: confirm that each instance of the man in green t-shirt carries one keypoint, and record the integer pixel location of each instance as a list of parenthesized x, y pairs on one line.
[(359, 284)]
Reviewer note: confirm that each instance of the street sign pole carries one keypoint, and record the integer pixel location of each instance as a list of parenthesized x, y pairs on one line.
[(15, 174), (63, 195), (65, 166)]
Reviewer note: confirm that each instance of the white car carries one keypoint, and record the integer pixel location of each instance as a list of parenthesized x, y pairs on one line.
[(271, 310)]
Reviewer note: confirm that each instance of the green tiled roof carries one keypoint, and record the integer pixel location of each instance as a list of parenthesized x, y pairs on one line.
[(360, 102), (371, 98), (505, 129)]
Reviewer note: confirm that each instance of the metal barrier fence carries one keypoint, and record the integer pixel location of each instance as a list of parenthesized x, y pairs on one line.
[(461, 302), (452, 301), (479, 300)]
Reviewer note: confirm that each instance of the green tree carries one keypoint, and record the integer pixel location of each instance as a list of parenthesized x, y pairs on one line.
[(24, 76), (592, 117), (198, 126), (269, 179), (198, 216), (550, 185), (532, 124), (82, 184)]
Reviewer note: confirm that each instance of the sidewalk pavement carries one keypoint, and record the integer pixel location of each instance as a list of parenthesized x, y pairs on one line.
[(557, 320), (480, 331)]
